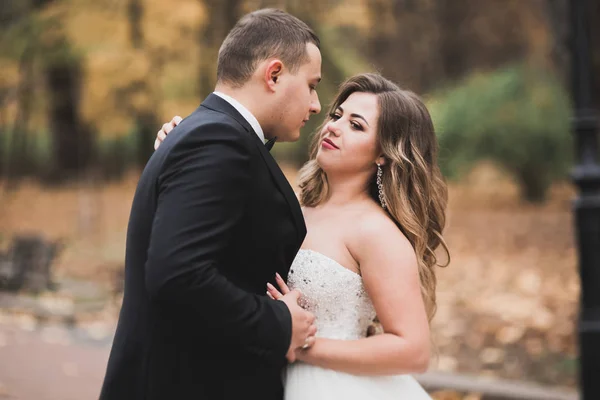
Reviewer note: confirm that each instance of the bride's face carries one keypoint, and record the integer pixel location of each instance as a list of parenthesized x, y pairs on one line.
[(349, 137)]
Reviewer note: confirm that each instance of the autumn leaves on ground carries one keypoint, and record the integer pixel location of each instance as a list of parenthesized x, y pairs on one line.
[(506, 304)]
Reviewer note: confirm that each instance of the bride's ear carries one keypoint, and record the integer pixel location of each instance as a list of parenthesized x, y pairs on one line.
[(380, 160)]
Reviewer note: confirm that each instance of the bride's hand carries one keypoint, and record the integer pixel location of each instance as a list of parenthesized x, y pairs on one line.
[(303, 355), (272, 291), (165, 130)]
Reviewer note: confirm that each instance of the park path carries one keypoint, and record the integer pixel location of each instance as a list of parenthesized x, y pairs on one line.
[(53, 362), (49, 364)]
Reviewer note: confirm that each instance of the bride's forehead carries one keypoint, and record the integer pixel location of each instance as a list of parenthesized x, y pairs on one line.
[(365, 104)]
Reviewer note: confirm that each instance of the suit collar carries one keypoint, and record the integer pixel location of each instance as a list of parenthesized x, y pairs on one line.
[(216, 103), (248, 116)]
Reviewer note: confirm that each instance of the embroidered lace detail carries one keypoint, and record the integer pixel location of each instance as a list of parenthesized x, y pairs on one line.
[(335, 294)]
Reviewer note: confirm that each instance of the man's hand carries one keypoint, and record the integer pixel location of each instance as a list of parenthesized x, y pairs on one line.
[(303, 328)]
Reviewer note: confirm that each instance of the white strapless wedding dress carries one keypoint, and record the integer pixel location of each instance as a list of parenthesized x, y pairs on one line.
[(343, 311)]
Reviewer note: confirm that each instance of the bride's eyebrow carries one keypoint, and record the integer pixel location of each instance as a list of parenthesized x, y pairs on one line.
[(355, 115)]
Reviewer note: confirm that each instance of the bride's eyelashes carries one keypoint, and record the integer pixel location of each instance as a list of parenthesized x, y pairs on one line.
[(355, 125)]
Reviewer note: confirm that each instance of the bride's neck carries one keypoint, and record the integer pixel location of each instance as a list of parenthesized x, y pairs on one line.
[(346, 189)]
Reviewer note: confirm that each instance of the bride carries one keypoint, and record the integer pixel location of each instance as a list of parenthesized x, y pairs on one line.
[(374, 204)]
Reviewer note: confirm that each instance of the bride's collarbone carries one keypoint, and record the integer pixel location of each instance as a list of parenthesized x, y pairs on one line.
[(330, 242), (332, 232)]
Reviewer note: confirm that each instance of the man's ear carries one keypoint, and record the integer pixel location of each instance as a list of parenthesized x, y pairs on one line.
[(273, 73)]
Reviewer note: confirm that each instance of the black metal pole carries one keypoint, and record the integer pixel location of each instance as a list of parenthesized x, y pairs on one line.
[(586, 176)]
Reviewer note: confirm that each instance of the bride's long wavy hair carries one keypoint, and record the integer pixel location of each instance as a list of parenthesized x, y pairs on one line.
[(414, 190)]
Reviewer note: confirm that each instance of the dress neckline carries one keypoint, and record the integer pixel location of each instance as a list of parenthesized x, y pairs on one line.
[(331, 260)]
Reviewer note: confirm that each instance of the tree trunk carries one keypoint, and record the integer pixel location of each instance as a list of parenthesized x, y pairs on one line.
[(135, 13), (558, 21), (533, 184), (72, 141), (451, 18), (20, 160)]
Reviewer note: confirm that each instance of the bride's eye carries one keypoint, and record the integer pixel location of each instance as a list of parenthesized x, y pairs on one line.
[(335, 116), (356, 126)]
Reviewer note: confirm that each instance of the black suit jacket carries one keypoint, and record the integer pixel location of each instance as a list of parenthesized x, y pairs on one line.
[(212, 220)]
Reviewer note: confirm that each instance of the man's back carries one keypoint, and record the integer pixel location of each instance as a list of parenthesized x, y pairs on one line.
[(212, 220)]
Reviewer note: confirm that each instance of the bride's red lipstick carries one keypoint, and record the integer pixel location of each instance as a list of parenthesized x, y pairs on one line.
[(328, 144)]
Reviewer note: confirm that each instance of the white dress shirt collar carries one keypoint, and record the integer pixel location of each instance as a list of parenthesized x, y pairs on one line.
[(245, 113)]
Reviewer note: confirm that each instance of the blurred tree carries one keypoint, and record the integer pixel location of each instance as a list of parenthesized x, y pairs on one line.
[(219, 17), (21, 161), (476, 35), (272, 4), (34, 37), (145, 115), (558, 22), (135, 14), (422, 44), (517, 117), (402, 42), (72, 139), (17, 23)]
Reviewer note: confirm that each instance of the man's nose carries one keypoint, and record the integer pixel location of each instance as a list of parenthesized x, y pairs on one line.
[(315, 105)]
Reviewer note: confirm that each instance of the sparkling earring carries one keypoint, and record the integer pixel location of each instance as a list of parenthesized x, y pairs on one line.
[(380, 186)]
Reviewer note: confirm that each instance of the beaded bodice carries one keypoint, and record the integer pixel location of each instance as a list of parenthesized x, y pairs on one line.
[(333, 293)]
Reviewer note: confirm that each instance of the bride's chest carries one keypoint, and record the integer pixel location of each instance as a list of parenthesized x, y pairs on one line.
[(334, 294), (330, 236)]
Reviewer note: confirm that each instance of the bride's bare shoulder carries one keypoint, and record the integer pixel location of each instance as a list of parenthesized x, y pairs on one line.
[(375, 231)]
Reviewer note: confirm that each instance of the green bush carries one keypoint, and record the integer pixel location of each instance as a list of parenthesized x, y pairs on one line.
[(116, 155), (517, 117), (113, 156), (24, 154)]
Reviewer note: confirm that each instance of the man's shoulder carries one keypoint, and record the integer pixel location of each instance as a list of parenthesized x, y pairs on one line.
[(207, 124), (208, 117)]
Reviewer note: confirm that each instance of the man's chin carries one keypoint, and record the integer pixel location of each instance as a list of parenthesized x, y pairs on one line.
[(290, 137)]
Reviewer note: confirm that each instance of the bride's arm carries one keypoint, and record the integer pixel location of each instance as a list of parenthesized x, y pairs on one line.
[(389, 269)]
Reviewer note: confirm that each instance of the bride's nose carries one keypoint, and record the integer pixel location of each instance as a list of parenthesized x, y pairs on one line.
[(333, 128)]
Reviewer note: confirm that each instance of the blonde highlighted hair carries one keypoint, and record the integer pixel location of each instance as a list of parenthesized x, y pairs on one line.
[(414, 190)]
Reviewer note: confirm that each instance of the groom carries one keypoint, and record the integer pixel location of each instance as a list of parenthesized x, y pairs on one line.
[(213, 219)]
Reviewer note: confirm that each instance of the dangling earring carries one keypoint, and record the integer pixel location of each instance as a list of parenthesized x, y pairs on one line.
[(380, 186)]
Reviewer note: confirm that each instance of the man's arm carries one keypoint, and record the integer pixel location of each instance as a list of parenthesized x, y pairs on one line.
[(202, 196)]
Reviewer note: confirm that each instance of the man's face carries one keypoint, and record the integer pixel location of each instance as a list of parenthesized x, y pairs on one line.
[(298, 97)]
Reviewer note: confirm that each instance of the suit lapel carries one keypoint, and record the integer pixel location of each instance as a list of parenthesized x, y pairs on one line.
[(217, 103), (284, 188)]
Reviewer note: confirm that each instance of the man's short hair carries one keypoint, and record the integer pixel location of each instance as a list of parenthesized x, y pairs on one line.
[(261, 35)]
